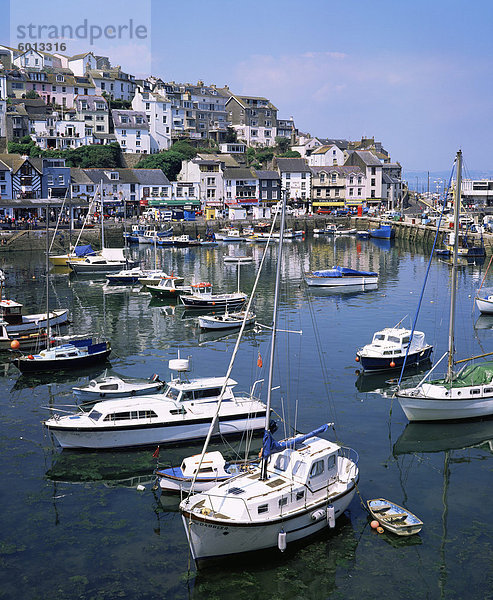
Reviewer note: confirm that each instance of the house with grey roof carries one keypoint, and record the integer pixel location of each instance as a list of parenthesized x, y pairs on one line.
[(114, 82), (94, 112), (392, 188), (372, 168), (240, 186), (254, 118), (131, 131), (295, 179), (269, 184)]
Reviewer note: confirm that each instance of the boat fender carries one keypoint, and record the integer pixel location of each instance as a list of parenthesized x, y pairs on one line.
[(30, 357), (380, 529), (374, 524), (331, 516), (357, 359), (392, 364), (205, 511), (317, 515), (281, 541)]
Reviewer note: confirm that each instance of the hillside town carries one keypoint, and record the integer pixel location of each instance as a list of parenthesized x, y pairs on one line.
[(244, 151)]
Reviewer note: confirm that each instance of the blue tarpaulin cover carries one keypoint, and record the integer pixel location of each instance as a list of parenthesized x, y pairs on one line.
[(343, 272), (270, 446), (83, 250)]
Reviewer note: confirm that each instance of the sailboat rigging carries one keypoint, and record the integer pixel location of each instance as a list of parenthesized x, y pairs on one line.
[(459, 395), (302, 485)]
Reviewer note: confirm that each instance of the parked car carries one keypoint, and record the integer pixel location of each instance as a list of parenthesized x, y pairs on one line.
[(324, 211)]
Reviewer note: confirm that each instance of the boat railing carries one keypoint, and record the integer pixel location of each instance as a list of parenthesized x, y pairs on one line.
[(208, 507), (349, 454)]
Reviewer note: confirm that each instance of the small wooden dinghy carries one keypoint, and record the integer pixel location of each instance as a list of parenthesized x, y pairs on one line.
[(393, 517)]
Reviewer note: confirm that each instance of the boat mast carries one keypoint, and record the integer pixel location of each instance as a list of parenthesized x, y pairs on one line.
[(453, 295), (47, 269), (263, 468), (102, 215)]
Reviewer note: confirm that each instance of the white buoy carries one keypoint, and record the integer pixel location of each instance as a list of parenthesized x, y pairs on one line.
[(331, 516), (281, 541), (141, 487)]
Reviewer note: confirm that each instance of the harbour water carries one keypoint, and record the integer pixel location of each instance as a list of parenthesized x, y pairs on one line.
[(74, 524)]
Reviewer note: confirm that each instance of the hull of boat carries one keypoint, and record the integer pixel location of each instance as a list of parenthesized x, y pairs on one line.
[(382, 234), (422, 409), (82, 268), (61, 259), (214, 304), (212, 539), (485, 306), (213, 323), (25, 365), (164, 433), (340, 282), (26, 342), (33, 323), (378, 363)]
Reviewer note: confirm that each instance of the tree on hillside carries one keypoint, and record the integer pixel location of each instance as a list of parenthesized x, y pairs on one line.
[(184, 148), (169, 162), (231, 136), (283, 144), (95, 156), (32, 94)]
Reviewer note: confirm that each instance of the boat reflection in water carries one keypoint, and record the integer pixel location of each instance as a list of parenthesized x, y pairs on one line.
[(435, 437), (379, 382), (484, 322), (381, 243)]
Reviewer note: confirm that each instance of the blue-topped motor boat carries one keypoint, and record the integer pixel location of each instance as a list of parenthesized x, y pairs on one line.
[(342, 276), (384, 232), (392, 346)]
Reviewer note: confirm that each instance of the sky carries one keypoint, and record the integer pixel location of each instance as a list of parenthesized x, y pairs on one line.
[(417, 76)]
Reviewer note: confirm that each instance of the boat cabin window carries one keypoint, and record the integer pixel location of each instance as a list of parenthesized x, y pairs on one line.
[(109, 386), (262, 508), (205, 470), (210, 393), (127, 415), (378, 337), (282, 462), (476, 391), (178, 411), (405, 340), (331, 462), (172, 393), (299, 468), (94, 415), (488, 390), (300, 494), (317, 468), (283, 501), (394, 339)]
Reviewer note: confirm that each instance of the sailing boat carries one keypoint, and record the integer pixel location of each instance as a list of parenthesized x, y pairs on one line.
[(300, 487), (110, 260), (459, 395), (78, 353)]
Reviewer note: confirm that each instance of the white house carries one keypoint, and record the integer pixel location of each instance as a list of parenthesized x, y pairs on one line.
[(295, 178), (157, 109), (81, 63), (324, 156), (131, 131), (306, 146), (93, 111), (3, 84), (117, 84), (52, 132), (241, 186)]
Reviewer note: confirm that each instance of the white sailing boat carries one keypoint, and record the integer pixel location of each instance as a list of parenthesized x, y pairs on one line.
[(459, 395), (300, 487)]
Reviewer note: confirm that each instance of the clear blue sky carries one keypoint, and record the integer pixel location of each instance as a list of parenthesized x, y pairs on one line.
[(415, 75)]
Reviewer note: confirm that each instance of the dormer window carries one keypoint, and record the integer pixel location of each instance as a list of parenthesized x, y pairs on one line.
[(114, 175), (60, 78)]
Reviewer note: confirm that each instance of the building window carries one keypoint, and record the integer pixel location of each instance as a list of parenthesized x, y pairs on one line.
[(264, 194), (373, 171), (322, 177), (274, 194), (336, 192), (254, 133), (211, 193), (124, 132), (373, 182), (211, 181), (351, 191), (359, 191)]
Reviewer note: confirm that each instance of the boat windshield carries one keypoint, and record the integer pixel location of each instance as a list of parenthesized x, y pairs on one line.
[(94, 415), (172, 393), (378, 337), (396, 340)]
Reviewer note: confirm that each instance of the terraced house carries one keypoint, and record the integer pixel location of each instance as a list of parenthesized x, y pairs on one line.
[(337, 187)]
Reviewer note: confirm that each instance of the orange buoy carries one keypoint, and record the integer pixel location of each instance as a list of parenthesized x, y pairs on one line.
[(392, 364), (374, 524), (30, 357), (380, 529), (357, 359), (14, 344)]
